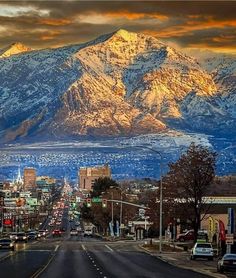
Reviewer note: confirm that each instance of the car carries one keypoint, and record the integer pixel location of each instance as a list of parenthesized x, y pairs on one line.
[(32, 235), (88, 232), (187, 236), (56, 233), (7, 243), (43, 233), (227, 263), (73, 232), (21, 236), (13, 236), (202, 250)]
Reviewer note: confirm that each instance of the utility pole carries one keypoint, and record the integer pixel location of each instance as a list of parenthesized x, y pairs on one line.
[(112, 211), (121, 208)]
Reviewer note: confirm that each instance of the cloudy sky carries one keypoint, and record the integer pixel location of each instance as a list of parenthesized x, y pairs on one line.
[(208, 25)]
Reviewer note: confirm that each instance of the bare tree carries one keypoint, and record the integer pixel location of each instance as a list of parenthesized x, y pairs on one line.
[(188, 181)]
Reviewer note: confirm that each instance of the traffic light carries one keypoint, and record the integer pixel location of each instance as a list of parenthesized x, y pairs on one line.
[(88, 202), (104, 203)]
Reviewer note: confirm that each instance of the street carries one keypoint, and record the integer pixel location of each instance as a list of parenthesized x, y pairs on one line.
[(85, 257)]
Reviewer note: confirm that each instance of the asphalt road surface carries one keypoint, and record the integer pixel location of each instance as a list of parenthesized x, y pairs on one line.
[(75, 256), (69, 257)]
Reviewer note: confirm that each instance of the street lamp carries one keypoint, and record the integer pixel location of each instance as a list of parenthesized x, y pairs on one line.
[(121, 209), (161, 199)]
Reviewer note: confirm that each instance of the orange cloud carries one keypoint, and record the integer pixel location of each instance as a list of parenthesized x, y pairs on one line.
[(205, 46), (190, 26), (50, 35), (132, 16), (55, 22)]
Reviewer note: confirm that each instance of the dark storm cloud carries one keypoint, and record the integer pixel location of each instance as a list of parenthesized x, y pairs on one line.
[(53, 23)]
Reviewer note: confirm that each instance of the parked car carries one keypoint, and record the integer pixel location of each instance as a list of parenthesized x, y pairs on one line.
[(56, 233), (187, 236), (202, 250), (21, 236), (73, 232), (6, 243), (227, 263)]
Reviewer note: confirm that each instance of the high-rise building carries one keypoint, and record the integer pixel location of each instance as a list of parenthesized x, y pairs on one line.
[(29, 178), (88, 175)]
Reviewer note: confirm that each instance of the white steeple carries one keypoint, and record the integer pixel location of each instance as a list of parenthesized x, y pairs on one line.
[(19, 178)]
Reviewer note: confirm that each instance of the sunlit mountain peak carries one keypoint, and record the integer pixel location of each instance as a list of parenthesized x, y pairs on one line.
[(13, 49), (126, 35)]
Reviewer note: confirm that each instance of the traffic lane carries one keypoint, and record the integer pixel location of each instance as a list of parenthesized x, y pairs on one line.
[(69, 263), (25, 263), (5, 253), (136, 264)]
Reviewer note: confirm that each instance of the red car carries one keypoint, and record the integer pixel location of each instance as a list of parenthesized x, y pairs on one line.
[(56, 233), (188, 236)]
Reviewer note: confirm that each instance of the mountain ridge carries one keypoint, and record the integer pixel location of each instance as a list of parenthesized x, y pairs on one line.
[(119, 84)]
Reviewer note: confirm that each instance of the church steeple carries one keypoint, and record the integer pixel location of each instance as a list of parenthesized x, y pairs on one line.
[(19, 178)]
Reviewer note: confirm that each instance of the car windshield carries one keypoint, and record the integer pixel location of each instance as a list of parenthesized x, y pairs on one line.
[(229, 257), (203, 245)]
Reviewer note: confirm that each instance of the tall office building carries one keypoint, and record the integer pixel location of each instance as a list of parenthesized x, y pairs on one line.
[(29, 178), (88, 175)]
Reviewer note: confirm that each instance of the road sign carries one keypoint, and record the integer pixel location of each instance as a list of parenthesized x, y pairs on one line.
[(229, 236), (96, 200), (229, 239)]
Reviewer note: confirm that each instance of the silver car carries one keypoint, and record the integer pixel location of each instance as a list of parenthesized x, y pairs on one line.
[(202, 250)]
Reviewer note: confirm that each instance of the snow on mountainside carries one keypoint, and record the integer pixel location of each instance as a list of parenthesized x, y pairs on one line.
[(14, 49), (122, 83), (223, 71)]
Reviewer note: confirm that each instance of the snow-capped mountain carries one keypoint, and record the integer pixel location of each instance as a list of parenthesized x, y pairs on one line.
[(122, 83), (223, 71), (14, 49)]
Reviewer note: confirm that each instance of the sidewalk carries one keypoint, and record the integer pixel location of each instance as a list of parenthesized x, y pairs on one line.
[(182, 259)]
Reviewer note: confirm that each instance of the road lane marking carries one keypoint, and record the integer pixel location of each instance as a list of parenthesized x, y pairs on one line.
[(109, 248), (41, 270), (57, 246), (83, 247)]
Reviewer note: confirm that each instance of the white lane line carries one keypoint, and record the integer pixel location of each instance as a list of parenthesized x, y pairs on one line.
[(57, 246), (109, 248), (83, 247)]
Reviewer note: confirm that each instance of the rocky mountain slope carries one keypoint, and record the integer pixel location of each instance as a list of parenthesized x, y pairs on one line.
[(122, 83)]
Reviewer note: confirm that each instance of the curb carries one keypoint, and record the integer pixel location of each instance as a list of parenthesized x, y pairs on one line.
[(216, 275)]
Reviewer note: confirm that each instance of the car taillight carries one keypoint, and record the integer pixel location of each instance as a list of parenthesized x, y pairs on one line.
[(227, 262)]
